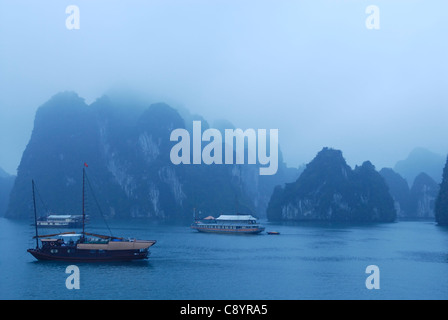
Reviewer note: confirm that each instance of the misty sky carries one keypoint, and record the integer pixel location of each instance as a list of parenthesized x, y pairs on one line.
[(308, 68)]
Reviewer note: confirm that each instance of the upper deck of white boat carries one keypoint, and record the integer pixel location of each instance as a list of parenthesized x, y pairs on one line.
[(236, 218), (63, 217)]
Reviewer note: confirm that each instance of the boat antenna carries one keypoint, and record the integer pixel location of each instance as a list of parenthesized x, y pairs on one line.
[(35, 215), (196, 214), (236, 204), (83, 201)]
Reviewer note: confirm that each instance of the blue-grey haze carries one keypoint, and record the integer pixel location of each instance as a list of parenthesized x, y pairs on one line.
[(308, 68)]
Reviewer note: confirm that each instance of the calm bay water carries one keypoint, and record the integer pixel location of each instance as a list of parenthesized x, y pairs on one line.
[(306, 261)]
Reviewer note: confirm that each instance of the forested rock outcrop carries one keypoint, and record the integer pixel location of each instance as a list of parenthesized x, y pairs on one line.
[(329, 190)]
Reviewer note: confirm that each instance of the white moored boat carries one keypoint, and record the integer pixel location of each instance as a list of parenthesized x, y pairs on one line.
[(240, 224)]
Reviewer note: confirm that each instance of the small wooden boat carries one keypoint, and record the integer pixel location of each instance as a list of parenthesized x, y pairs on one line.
[(273, 232)]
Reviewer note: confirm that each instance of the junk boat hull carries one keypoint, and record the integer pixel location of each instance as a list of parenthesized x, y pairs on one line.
[(88, 258), (75, 254)]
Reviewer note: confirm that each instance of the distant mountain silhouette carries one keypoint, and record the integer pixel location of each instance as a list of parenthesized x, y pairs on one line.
[(329, 190), (3, 173), (399, 190), (421, 160), (415, 202)]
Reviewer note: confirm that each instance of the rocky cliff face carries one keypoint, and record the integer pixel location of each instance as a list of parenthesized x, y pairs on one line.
[(423, 195), (329, 190), (127, 151), (415, 202), (420, 160)]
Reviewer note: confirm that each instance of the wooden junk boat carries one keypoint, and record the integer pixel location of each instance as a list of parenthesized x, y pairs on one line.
[(87, 247), (231, 224)]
